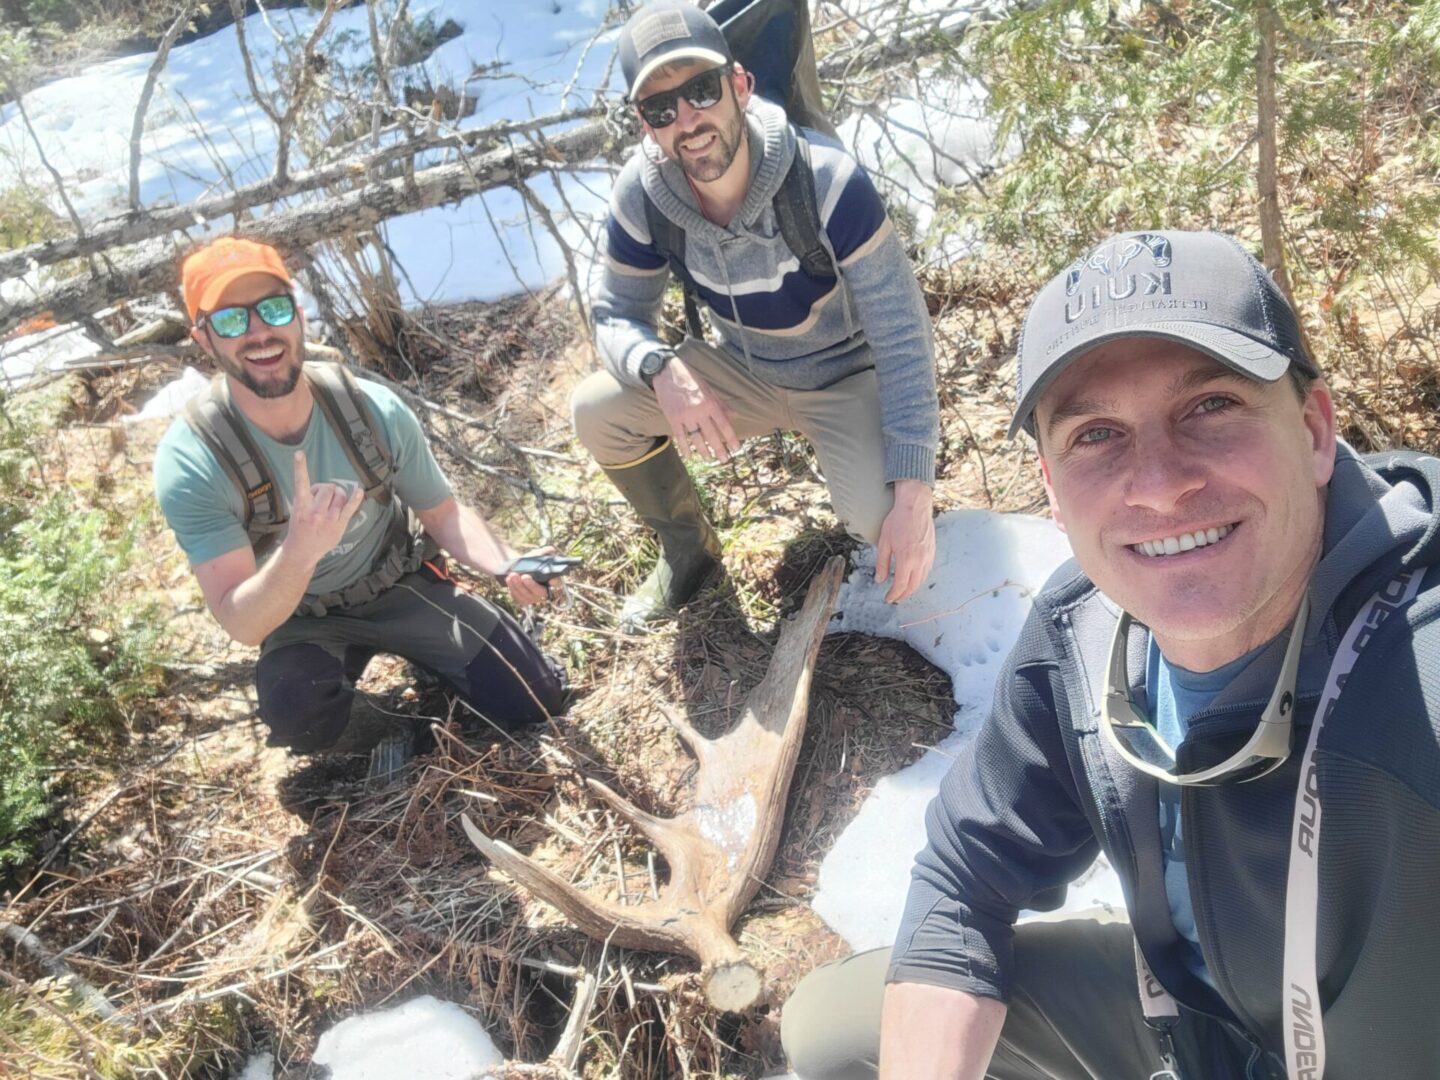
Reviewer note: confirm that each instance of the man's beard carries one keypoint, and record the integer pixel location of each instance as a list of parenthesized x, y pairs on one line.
[(715, 164), (268, 388)]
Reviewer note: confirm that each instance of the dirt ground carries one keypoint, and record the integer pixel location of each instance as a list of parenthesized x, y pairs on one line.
[(234, 898), (253, 898)]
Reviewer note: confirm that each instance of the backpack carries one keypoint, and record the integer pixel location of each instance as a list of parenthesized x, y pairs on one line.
[(771, 38), (218, 423)]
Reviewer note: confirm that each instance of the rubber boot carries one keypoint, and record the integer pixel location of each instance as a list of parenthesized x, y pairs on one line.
[(660, 490)]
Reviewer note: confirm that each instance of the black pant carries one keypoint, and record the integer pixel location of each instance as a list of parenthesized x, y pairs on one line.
[(308, 666)]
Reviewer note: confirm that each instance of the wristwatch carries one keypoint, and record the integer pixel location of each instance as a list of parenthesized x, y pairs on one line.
[(652, 363)]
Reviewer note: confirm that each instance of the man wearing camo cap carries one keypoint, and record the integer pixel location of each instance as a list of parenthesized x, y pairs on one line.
[(776, 231)]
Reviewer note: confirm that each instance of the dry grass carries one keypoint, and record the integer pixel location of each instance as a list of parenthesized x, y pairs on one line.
[(236, 898), (226, 897)]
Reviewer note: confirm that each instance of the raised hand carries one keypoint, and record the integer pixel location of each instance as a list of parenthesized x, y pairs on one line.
[(319, 513), (697, 418)]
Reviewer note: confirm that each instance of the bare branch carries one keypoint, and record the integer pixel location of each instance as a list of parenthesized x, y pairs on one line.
[(147, 91), (304, 80), (54, 966), (12, 83), (133, 229), (153, 269), (237, 8), (572, 272)]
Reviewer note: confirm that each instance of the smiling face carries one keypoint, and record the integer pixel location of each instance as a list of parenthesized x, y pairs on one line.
[(265, 359), (703, 142), (1192, 496)]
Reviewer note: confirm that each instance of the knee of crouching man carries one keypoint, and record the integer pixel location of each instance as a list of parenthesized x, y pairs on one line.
[(305, 706), (591, 406)]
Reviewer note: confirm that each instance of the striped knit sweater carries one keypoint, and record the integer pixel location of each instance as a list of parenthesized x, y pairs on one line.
[(789, 328)]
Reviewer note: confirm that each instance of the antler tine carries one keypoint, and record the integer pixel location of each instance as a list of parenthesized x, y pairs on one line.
[(696, 743), (659, 831), (599, 918)]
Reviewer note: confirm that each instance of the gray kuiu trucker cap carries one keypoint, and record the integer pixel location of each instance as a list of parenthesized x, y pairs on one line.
[(1198, 288), (665, 31)]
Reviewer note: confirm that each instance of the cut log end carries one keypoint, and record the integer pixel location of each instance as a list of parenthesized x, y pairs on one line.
[(733, 987)]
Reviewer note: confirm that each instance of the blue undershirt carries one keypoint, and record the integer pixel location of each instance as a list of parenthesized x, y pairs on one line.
[(1176, 695)]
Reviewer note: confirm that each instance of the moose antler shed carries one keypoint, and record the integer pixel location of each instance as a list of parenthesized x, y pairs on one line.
[(721, 848)]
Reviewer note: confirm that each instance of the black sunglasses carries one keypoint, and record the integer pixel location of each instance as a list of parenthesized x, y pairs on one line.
[(701, 91), (232, 322)]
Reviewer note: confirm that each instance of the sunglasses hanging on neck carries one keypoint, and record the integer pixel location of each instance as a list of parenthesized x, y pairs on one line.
[(1132, 736)]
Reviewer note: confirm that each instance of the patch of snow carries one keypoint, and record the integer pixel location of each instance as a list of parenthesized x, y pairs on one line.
[(171, 398), (987, 568), (514, 57), (22, 358), (259, 1067), (941, 138), (424, 1037)]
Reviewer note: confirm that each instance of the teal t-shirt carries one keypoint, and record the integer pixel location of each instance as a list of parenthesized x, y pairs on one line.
[(206, 512), (1176, 694)]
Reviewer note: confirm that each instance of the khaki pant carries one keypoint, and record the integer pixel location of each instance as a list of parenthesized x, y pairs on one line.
[(1074, 1013), (619, 423)]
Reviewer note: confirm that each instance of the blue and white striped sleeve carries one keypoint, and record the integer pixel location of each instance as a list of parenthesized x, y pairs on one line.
[(892, 313), (626, 300)]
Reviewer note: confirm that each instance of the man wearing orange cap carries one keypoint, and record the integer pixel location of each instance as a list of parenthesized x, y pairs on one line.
[(291, 488)]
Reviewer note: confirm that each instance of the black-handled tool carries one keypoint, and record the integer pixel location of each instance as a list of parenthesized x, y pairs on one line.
[(543, 568)]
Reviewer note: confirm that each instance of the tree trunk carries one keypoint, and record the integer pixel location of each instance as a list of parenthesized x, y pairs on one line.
[(148, 224), (1272, 235)]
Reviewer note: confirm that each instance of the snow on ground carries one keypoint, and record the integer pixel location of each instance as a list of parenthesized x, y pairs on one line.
[(424, 1037), (922, 142), (171, 398), (22, 357), (515, 57), (987, 568)]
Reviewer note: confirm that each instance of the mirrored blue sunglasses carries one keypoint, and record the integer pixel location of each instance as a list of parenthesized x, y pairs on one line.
[(232, 322)]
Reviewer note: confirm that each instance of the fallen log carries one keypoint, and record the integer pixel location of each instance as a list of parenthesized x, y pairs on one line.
[(135, 228), (155, 267)]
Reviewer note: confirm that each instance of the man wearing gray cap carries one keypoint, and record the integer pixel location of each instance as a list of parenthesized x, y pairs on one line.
[(822, 327), (1230, 692)]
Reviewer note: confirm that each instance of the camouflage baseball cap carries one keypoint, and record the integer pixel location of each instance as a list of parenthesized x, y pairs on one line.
[(666, 32), (1198, 288)]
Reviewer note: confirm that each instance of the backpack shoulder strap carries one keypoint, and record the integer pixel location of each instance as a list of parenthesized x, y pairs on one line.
[(669, 240), (217, 423), (354, 424), (797, 212)]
